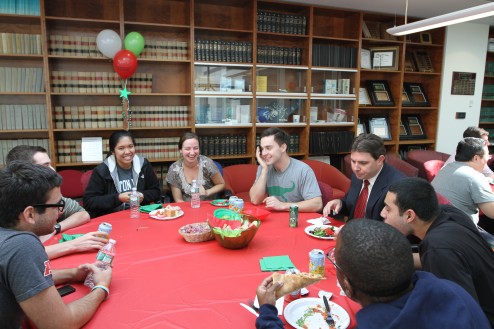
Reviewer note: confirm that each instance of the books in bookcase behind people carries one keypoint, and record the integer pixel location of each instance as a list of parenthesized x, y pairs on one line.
[(330, 86), (261, 83)]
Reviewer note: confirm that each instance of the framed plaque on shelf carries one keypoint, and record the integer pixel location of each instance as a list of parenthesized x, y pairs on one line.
[(363, 97), (409, 63), (423, 61), (372, 30), (414, 127), (379, 93), (380, 126), (416, 93), (385, 58), (406, 99), (403, 131)]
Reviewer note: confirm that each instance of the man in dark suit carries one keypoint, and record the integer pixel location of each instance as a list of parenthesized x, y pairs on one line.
[(370, 180)]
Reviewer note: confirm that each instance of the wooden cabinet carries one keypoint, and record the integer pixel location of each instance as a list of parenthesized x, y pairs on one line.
[(225, 69), (486, 119)]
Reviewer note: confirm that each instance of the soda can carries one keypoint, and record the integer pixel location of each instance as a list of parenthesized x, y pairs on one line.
[(316, 261), (231, 202), (238, 206), (293, 215), (295, 294), (105, 227)]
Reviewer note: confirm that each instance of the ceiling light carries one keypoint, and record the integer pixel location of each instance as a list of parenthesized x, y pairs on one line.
[(456, 17)]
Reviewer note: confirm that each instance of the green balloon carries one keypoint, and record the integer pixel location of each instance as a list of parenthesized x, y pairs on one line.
[(134, 42)]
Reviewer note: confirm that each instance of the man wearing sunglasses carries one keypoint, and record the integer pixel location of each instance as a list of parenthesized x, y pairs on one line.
[(71, 215), (30, 202)]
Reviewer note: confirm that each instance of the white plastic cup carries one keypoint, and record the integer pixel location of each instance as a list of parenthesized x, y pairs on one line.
[(296, 118)]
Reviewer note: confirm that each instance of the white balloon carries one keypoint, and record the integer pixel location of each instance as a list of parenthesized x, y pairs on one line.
[(109, 43)]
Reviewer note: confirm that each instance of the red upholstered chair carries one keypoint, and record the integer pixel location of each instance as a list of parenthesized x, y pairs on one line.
[(432, 167), (417, 158), (442, 199), (326, 192), (328, 174), (71, 184), (85, 179), (239, 179)]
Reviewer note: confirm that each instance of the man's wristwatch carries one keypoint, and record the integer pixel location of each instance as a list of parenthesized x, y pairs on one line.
[(58, 228)]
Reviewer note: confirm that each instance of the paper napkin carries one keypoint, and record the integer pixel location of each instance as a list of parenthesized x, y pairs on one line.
[(150, 207), (69, 237), (276, 263), (319, 221)]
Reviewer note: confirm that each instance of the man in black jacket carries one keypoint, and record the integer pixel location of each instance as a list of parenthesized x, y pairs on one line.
[(452, 247)]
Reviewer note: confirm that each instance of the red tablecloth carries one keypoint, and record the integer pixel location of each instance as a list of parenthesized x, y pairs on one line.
[(162, 281)]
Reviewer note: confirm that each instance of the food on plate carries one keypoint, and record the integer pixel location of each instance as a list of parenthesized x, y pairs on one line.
[(324, 231), (310, 312), (168, 211), (293, 282)]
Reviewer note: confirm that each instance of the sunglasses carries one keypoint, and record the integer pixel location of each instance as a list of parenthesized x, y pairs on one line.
[(60, 205)]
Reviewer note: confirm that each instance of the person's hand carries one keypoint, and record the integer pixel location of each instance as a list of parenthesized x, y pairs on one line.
[(333, 207), (124, 197), (101, 276), (266, 292), (202, 191), (259, 158), (273, 203), (89, 241)]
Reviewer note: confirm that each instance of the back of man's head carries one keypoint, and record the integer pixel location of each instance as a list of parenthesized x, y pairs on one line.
[(280, 136), (24, 153), (416, 194), (375, 257), (24, 184), (469, 147), (369, 143), (475, 132)]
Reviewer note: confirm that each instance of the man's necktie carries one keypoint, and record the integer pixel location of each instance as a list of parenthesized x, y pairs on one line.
[(362, 201)]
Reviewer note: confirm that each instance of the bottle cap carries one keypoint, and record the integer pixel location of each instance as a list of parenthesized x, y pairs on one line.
[(113, 241)]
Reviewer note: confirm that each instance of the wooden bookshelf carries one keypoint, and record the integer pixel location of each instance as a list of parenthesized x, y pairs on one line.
[(296, 38)]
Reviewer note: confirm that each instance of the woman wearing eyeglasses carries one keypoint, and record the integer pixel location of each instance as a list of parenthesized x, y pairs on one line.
[(112, 181)]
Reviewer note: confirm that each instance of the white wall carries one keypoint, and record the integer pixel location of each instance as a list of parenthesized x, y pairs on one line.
[(465, 51)]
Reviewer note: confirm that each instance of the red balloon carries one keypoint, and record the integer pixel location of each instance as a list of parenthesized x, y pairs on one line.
[(125, 63)]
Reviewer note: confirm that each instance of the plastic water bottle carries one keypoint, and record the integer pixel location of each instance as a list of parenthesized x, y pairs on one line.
[(104, 258), (134, 203), (195, 201)]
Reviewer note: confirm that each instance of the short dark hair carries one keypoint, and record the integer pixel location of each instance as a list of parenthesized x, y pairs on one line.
[(475, 132), (417, 194), (280, 136), (375, 257), (24, 153), (369, 143), (115, 137), (23, 184), (469, 147), (186, 136)]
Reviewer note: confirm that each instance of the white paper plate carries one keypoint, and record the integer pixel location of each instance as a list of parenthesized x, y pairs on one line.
[(152, 214), (296, 310), (280, 302), (312, 227)]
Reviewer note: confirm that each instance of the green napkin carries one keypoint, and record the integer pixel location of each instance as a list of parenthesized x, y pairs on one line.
[(150, 207), (69, 237), (276, 263)]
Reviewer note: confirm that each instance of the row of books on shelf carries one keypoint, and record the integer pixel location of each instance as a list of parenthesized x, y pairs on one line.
[(334, 56), (165, 49), (337, 86), (20, 43), (281, 23), (218, 145), (488, 91), (18, 117), (279, 55), (293, 143), (7, 144), (330, 142), (486, 114), (69, 151), (98, 82), (22, 79), (74, 117), (20, 7), (223, 51), (489, 69)]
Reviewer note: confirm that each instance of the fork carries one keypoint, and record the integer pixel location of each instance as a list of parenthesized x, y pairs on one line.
[(329, 319)]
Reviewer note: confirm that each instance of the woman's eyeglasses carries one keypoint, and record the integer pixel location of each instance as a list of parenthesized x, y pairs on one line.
[(60, 205)]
